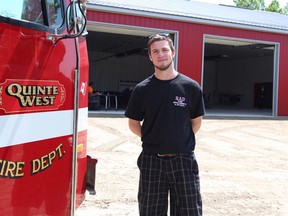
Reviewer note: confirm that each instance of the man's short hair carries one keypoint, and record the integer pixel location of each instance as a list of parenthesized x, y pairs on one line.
[(159, 37)]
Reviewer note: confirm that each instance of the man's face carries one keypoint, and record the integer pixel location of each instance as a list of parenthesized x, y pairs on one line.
[(161, 55)]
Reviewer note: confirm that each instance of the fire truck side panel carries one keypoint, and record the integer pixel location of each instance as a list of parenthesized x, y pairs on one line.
[(31, 178), (83, 121), (37, 83)]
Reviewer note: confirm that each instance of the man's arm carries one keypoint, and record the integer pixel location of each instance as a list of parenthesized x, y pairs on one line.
[(135, 127), (196, 124)]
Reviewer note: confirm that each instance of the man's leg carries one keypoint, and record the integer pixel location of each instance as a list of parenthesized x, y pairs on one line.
[(153, 187), (185, 192)]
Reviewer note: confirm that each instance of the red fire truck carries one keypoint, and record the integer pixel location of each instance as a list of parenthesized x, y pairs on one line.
[(43, 106)]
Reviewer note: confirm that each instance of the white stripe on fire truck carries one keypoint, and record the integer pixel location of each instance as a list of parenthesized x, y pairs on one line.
[(23, 128)]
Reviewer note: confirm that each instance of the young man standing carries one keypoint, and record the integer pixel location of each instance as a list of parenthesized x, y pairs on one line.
[(166, 111)]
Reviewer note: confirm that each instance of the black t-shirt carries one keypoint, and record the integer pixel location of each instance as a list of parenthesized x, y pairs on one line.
[(166, 108)]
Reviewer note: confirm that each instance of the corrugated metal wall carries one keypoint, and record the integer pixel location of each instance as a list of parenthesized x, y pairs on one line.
[(246, 73), (237, 77), (116, 74)]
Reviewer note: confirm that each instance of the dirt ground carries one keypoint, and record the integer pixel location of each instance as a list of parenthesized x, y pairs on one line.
[(243, 167)]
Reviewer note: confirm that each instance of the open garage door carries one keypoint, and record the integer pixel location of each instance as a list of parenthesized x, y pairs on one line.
[(238, 76), (118, 60)]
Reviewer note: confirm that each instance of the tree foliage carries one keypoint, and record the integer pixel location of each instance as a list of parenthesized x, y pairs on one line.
[(274, 6)]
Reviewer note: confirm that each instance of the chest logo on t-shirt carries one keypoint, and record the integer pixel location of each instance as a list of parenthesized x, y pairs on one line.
[(179, 101)]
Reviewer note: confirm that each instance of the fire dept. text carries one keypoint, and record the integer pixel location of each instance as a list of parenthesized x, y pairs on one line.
[(42, 163), (11, 169), (15, 169)]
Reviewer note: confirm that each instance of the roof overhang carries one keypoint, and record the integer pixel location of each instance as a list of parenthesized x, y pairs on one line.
[(198, 20)]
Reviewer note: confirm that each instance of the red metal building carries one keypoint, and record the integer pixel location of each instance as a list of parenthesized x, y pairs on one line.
[(238, 56)]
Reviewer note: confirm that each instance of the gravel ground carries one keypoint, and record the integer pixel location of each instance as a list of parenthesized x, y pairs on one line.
[(243, 167)]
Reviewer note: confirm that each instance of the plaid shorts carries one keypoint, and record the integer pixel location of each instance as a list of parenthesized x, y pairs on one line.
[(178, 175)]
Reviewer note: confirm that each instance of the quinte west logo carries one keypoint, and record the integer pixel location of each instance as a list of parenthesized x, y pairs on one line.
[(31, 95)]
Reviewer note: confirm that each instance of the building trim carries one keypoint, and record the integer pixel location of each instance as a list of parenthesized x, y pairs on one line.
[(199, 20)]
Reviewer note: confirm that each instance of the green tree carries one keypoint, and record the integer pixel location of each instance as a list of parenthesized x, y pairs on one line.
[(252, 4), (285, 9), (274, 6)]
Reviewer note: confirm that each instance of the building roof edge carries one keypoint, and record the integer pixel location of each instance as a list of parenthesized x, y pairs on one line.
[(195, 19)]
